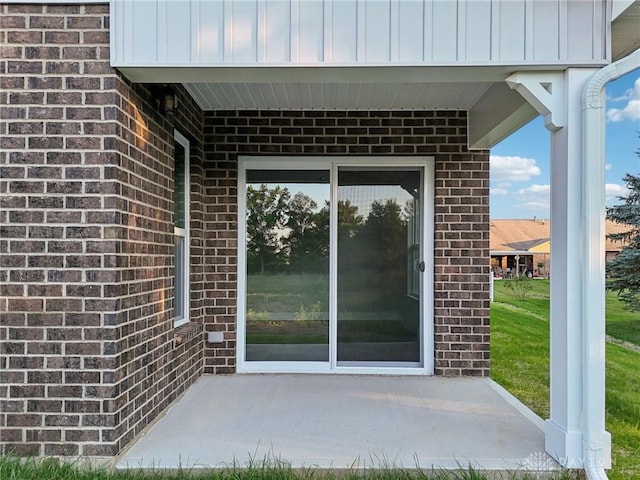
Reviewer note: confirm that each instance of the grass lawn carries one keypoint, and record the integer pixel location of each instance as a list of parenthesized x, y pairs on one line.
[(520, 362), (622, 323)]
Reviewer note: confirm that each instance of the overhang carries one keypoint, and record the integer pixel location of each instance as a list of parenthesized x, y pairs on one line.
[(347, 55)]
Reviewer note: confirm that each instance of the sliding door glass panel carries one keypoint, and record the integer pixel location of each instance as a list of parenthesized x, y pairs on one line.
[(287, 282), (378, 314)]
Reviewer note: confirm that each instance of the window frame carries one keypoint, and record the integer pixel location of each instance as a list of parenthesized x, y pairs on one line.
[(180, 318), (426, 164)]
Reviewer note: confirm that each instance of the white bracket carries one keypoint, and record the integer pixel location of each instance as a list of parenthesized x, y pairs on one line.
[(545, 92)]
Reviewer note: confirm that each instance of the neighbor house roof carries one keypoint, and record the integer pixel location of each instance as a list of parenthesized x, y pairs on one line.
[(533, 235)]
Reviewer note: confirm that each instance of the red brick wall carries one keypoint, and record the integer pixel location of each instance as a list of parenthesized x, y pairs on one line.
[(86, 240), (461, 212)]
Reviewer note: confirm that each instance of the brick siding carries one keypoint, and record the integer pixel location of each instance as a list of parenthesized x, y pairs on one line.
[(461, 211), (86, 240)]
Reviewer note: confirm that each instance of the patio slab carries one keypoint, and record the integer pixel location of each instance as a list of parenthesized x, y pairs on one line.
[(342, 421)]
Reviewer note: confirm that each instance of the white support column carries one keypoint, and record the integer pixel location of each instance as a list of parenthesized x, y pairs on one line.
[(559, 99), (564, 429)]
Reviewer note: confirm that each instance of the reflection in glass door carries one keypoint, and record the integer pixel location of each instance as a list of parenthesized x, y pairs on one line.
[(378, 294), (333, 266), (287, 265)]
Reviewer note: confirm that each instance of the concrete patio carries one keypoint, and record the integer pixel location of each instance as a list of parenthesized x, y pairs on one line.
[(344, 421)]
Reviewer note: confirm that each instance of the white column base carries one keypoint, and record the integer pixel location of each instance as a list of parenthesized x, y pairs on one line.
[(565, 447), (599, 453)]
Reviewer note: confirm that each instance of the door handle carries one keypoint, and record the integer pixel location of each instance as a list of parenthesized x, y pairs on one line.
[(421, 266)]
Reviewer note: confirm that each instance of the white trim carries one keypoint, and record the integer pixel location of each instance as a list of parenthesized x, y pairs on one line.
[(331, 163), (545, 91), (428, 232), (185, 232)]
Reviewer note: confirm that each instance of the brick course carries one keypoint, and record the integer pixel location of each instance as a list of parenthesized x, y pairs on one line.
[(86, 240)]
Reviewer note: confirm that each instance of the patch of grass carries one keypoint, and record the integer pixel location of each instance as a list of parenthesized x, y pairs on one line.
[(286, 293), (520, 362), (622, 323), (12, 468), (520, 356), (536, 301)]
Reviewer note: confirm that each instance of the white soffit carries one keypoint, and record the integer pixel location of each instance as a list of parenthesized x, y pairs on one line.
[(336, 96), (625, 31)]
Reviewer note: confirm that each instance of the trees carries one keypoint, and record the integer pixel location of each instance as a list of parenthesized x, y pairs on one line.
[(285, 233), (625, 269), (266, 217), (308, 236)]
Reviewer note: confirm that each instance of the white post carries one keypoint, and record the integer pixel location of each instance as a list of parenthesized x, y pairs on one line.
[(558, 97), (563, 439), (491, 287)]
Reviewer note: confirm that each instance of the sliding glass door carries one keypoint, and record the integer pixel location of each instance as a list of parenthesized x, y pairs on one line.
[(378, 310), (287, 265), (332, 268)]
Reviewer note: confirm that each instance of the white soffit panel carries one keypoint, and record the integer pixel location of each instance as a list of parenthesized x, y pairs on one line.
[(336, 96)]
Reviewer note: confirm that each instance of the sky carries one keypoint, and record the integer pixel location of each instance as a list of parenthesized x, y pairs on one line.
[(520, 163)]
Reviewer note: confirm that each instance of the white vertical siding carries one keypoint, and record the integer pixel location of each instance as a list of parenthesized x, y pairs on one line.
[(208, 32), (177, 44), (477, 41), (410, 30), (509, 20), (307, 31), (546, 20), (352, 32)]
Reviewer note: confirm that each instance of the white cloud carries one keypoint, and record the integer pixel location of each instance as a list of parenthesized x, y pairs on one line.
[(513, 169), (631, 110), (613, 191), (607, 167), (498, 191), (535, 190), (535, 197)]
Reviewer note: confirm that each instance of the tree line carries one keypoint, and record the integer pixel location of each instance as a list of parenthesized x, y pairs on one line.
[(290, 233)]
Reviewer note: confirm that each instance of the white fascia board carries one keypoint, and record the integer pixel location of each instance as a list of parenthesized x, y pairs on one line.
[(312, 73)]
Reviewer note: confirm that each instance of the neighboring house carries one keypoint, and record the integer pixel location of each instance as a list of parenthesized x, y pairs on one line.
[(146, 148), (530, 241)]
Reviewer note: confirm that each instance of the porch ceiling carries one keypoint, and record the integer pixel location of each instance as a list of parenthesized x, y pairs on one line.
[(342, 421), (337, 96), (494, 109), (625, 33)]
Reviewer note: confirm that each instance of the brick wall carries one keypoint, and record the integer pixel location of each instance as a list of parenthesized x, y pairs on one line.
[(86, 244), (461, 212)]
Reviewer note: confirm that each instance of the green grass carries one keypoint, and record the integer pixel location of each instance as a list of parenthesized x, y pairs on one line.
[(520, 362), (622, 323), (286, 293), (12, 468)]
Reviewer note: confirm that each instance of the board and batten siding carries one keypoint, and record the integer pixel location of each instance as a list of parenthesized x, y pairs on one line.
[(358, 32)]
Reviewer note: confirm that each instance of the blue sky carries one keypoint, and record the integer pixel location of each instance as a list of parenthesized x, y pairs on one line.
[(520, 163)]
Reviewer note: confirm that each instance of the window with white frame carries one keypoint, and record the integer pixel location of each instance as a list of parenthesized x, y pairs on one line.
[(181, 229)]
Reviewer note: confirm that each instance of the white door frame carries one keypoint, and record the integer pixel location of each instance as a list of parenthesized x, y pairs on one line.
[(332, 163)]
